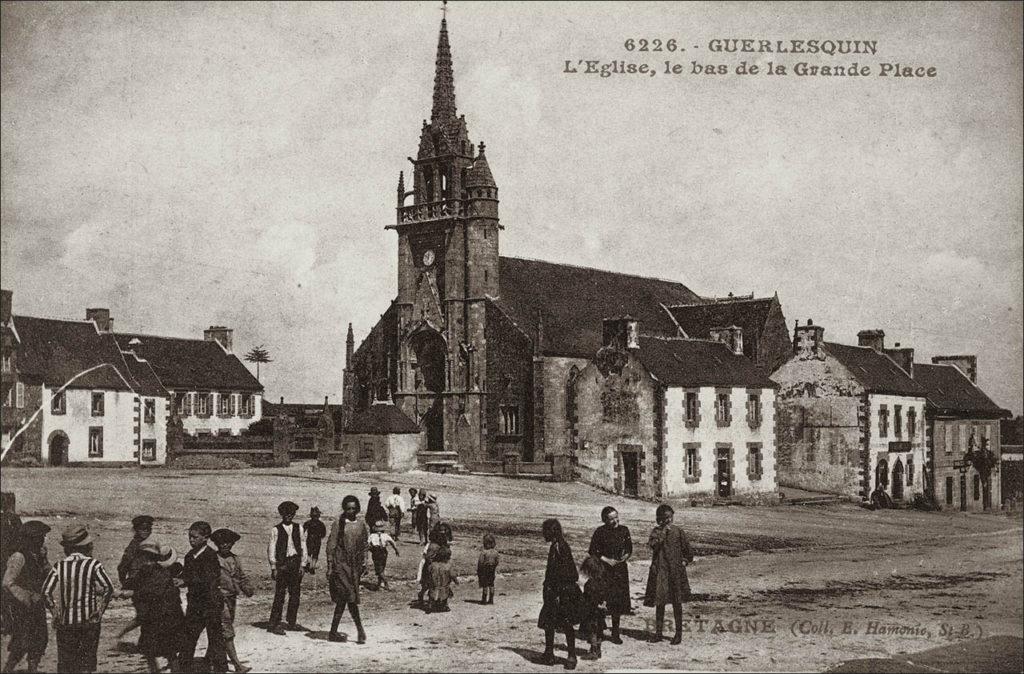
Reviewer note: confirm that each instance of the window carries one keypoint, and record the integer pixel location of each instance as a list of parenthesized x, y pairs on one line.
[(96, 441), (912, 422), (754, 471), (977, 487), (366, 451), (232, 404), (949, 491), (203, 404), (897, 420), (149, 411), (248, 405), (97, 403), (510, 419), (723, 414), (947, 437), (59, 403), (149, 450), (956, 435), (7, 362), (223, 404), (883, 421), (754, 410), (184, 402), (19, 394), (692, 461), (691, 409), (910, 470)]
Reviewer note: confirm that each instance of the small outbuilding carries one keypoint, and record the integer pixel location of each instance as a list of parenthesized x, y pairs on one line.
[(382, 437)]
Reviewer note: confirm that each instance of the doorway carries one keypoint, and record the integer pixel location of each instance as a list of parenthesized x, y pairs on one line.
[(433, 422), (963, 491), (58, 449), (723, 473), (631, 473), (897, 481)]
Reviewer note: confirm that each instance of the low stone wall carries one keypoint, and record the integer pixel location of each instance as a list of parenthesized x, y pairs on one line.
[(255, 457)]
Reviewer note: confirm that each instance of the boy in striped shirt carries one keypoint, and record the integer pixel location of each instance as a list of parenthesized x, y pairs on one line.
[(77, 591)]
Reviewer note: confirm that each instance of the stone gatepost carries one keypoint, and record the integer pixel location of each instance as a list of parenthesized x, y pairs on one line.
[(283, 437), (175, 435), (323, 441)]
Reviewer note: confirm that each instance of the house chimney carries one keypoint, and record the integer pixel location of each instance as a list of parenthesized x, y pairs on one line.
[(622, 332), (807, 341), (966, 364), (874, 339), (219, 334), (731, 336), (904, 357), (102, 319), (6, 302)]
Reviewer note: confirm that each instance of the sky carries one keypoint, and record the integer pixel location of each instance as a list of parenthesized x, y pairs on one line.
[(188, 164)]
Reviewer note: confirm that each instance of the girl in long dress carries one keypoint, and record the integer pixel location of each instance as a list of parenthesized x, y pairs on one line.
[(667, 582), (562, 596), (346, 560), (613, 545)]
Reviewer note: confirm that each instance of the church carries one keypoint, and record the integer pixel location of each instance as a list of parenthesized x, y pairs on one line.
[(481, 350)]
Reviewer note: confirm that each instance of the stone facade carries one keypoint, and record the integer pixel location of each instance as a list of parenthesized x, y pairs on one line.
[(957, 489)]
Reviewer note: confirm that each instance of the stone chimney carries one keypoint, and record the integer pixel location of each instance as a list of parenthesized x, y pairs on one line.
[(904, 357), (102, 319), (6, 303), (622, 332), (808, 340), (219, 334), (731, 336), (874, 339), (966, 364)]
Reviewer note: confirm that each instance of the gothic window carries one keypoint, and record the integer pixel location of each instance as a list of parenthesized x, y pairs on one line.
[(911, 422), (897, 420), (910, 470), (570, 393), (510, 419), (883, 421)]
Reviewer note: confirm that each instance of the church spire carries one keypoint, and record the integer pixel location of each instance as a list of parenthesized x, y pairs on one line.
[(444, 81)]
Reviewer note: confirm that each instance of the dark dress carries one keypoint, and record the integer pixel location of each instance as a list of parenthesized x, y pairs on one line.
[(563, 600), (486, 566), (614, 543), (158, 603), (316, 531), (667, 582), (28, 624), (375, 511), (346, 548), (593, 622)]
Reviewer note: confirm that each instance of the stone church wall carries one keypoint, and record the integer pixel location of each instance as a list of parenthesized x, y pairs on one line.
[(509, 382)]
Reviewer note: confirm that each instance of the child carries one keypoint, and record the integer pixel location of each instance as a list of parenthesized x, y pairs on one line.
[(486, 565), (593, 625), (201, 575), (232, 581), (441, 579), (316, 532), (158, 604), (286, 551), (379, 542)]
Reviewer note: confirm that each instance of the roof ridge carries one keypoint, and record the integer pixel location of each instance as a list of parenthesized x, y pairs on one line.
[(152, 336), (602, 271), (716, 301), (82, 321)]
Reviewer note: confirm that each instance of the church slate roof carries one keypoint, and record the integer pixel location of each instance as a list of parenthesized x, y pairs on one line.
[(53, 351), (381, 419), (698, 362), (876, 372), (952, 393), (697, 319), (566, 304), (191, 364)]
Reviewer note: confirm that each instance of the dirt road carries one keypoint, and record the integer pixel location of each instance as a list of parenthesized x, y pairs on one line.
[(779, 588)]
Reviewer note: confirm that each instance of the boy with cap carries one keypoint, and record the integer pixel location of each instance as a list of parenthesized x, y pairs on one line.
[(201, 575), (77, 591), (232, 582), (316, 532), (131, 560), (22, 582), (285, 553)]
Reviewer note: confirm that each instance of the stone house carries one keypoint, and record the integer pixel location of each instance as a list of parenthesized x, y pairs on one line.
[(661, 417), (964, 434), (850, 419), (379, 438)]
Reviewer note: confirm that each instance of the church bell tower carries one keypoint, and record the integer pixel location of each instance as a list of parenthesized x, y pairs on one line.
[(447, 225)]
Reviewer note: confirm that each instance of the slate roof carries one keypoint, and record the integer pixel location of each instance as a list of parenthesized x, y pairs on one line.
[(876, 372), (698, 319), (142, 378), (950, 392), (54, 351), (694, 362), (381, 419), (571, 303), (191, 364)]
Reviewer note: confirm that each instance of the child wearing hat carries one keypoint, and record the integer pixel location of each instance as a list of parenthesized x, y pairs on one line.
[(233, 581), (379, 542), (142, 528), (374, 510), (22, 582), (286, 551), (316, 532), (158, 605)]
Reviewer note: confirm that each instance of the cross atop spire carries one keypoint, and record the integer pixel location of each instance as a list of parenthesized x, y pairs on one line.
[(444, 81)]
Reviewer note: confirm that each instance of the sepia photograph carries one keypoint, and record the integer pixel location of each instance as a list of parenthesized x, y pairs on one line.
[(497, 336)]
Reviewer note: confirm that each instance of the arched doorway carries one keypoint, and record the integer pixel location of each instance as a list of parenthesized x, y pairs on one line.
[(882, 474), (433, 422), (897, 481), (58, 446), (430, 377)]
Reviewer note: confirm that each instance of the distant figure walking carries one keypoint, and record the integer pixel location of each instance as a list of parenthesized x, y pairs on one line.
[(396, 508), (22, 593), (77, 591), (421, 519), (612, 544), (379, 542), (667, 582), (562, 596), (346, 561), (375, 511)]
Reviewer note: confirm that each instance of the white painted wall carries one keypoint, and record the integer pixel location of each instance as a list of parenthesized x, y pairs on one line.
[(154, 431), (878, 447), (708, 433), (117, 422), (214, 424)]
